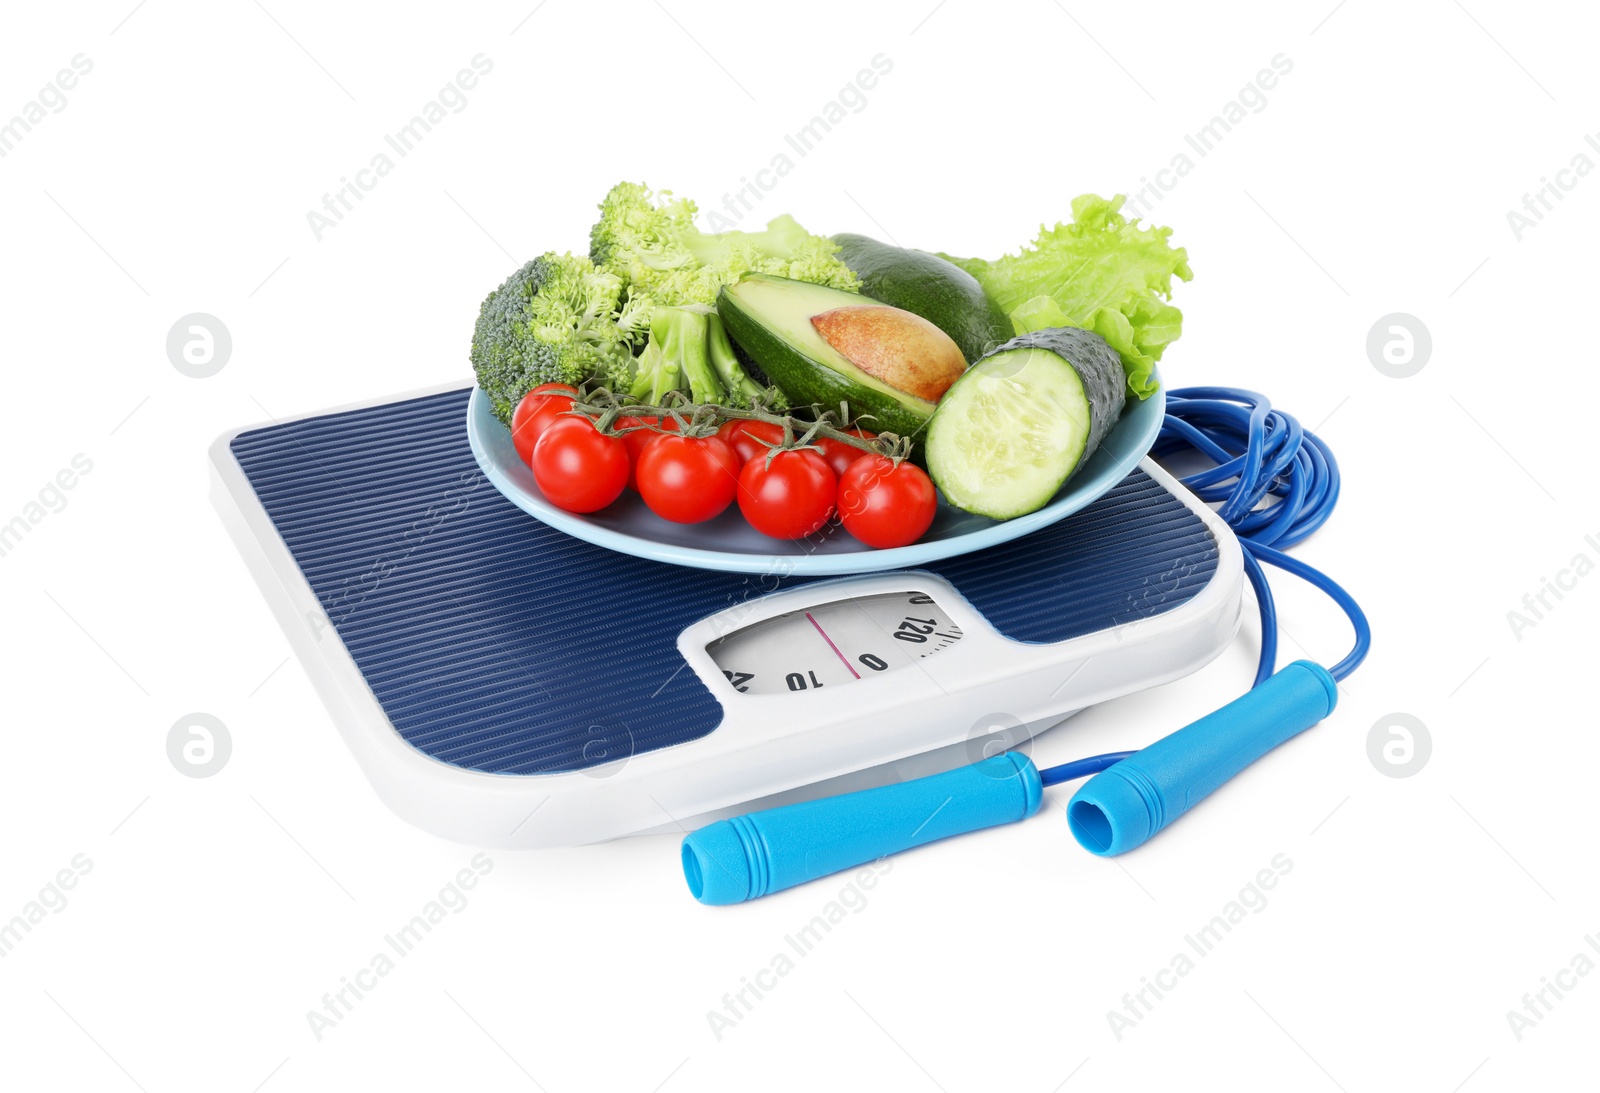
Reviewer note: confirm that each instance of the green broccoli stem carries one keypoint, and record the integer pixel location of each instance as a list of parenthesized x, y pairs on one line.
[(689, 341), (668, 378), (726, 362), (647, 373), (678, 355)]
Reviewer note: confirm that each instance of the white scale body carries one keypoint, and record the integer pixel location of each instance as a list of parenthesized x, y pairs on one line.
[(807, 710)]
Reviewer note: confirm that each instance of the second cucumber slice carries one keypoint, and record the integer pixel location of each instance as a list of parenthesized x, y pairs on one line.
[(1021, 421)]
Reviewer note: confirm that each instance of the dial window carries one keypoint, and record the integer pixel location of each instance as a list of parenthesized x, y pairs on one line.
[(833, 644)]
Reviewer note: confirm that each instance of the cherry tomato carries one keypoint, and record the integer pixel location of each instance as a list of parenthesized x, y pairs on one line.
[(687, 479), (579, 468), (884, 505), (839, 454), (790, 497), (640, 439), (745, 437), (534, 414)]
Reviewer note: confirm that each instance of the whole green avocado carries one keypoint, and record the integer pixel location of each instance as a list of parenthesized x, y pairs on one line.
[(924, 284)]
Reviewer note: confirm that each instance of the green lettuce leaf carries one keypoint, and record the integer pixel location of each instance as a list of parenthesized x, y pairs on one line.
[(1101, 272)]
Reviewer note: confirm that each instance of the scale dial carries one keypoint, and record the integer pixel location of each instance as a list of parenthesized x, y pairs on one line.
[(835, 643)]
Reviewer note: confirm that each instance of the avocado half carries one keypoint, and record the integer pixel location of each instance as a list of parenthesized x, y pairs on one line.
[(770, 318)]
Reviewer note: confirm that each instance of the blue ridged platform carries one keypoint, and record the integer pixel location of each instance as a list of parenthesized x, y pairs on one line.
[(498, 644)]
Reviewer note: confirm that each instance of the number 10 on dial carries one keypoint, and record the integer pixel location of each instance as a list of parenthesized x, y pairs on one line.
[(834, 644)]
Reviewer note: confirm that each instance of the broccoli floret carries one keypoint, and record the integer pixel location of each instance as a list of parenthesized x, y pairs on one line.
[(673, 271), (783, 239), (558, 319), (650, 280), (651, 242), (635, 228)]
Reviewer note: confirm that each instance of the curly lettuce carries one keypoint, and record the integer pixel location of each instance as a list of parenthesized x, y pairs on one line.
[(1102, 272)]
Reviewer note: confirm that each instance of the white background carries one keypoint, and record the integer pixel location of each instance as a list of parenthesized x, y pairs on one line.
[(1377, 179)]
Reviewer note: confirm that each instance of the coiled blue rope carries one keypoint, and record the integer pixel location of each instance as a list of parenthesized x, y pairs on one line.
[(1275, 484)]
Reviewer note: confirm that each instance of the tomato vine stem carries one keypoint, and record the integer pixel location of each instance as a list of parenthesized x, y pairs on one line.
[(605, 408)]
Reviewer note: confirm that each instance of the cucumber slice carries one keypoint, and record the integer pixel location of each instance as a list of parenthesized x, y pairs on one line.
[(1010, 432)]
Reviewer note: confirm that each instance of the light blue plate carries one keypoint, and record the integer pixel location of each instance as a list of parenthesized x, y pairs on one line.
[(729, 543)]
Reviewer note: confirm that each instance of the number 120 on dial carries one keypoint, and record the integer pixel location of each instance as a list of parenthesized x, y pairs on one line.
[(834, 644)]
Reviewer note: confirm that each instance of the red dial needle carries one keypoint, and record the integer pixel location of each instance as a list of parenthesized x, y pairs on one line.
[(832, 646)]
